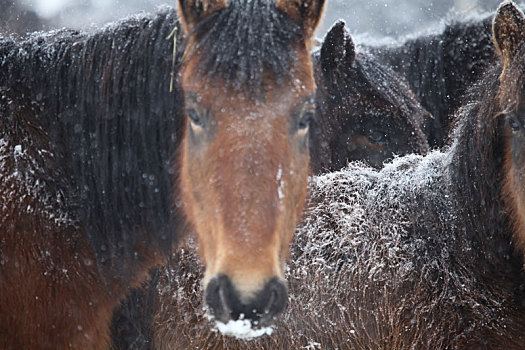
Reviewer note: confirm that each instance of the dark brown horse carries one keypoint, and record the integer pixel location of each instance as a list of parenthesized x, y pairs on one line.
[(365, 111), (90, 186), (426, 253)]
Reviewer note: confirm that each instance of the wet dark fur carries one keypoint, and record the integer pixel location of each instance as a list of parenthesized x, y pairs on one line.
[(108, 128), (113, 123), (441, 67)]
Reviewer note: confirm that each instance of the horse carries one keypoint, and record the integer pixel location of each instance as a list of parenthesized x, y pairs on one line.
[(365, 110), (427, 252), (440, 67), (101, 176)]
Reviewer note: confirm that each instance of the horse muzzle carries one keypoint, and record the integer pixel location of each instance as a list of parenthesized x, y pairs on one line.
[(224, 301)]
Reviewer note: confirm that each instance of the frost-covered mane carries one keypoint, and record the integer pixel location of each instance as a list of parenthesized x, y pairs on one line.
[(105, 103)]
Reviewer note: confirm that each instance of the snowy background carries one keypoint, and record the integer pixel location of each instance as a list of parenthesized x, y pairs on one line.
[(376, 18)]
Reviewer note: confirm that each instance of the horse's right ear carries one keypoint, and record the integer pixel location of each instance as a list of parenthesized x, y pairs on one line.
[(192, 12), (337, 50), (508, 30)]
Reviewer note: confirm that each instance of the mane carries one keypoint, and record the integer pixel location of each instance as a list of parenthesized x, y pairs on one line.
[(244, 42), (113, 124), (437, 70), (478, 133)]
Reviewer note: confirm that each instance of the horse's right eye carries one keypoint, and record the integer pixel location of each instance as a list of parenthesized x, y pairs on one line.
[(194, 116), (377, 137), (306, 119), (514, 125)]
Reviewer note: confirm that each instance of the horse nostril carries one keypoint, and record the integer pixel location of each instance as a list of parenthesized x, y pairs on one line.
[(218, 294), (277, 295)]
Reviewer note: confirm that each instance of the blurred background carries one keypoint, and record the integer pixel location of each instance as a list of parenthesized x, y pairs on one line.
[(373, 18)]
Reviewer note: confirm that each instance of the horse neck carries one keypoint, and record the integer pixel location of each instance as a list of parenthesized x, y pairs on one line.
[(115, 125), (475, 173)]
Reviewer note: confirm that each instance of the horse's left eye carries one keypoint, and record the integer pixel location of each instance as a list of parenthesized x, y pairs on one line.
[(306, 118)]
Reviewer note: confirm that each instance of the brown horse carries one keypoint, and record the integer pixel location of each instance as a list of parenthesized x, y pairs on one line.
[(89, 187)]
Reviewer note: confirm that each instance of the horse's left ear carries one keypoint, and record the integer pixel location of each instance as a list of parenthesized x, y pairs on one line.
[(307, 12), (337, 50), (508, 30), (192, 12)]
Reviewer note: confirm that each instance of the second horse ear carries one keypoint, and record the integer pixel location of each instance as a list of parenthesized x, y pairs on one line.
[(508, 30), (191, 12), (337, 50)]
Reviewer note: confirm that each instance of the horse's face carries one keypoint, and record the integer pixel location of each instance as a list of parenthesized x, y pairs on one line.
[(509, 39), (374, 136), (368, 114), (244, 168)]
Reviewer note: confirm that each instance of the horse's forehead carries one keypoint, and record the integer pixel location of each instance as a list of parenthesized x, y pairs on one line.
[(298, 82), (273, 95)]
